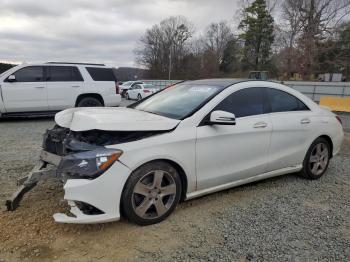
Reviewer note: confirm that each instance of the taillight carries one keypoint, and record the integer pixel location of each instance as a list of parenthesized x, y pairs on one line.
[(339, 119), (116, 88), (146, 91)]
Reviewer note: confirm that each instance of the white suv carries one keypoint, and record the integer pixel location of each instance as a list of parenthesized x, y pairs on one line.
[(50, 87)]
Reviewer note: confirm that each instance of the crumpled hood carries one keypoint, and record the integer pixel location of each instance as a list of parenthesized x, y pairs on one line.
[(113, 119)]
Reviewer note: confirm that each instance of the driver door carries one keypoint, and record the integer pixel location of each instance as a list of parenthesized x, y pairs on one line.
[(27, 92), (227, 153)]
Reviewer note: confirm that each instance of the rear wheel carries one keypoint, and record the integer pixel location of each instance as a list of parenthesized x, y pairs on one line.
[(317, 159), (139, 97), (127, 96), (151, 193), (89, 102)]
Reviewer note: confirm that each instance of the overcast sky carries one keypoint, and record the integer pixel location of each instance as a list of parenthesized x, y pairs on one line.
[(105, 31)]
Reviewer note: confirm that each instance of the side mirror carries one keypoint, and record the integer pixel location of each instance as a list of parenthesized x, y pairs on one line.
[(11, 78), (222, 118)]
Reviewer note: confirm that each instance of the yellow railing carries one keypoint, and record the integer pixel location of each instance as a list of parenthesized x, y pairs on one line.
[(341, 104)]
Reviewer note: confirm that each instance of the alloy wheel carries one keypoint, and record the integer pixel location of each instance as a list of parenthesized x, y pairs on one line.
[(319, 159), (154, 194)]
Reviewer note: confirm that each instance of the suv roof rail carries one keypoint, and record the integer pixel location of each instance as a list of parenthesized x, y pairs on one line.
[(70, 63)]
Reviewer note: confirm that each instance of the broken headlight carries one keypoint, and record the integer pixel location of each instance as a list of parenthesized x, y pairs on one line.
[(89, 164)]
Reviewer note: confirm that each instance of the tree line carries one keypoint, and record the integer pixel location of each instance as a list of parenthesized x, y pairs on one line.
[(304, 39)]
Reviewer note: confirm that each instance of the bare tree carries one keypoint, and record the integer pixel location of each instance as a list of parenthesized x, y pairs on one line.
[(164, 45), (309, 22), (216, 38)]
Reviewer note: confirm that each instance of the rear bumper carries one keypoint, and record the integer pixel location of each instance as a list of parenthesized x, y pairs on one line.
[(112, 100)]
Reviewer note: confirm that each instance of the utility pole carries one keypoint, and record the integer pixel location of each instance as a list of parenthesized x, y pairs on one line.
[(169, 77)]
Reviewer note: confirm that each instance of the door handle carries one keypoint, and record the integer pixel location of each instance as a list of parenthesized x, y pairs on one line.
[(305, 121), (75, 86), (260, 125), (40, 87)]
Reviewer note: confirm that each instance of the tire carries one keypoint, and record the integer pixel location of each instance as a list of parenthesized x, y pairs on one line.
[(151, 193), (317, 159), (89, 102), (127, 96), (139, 97)]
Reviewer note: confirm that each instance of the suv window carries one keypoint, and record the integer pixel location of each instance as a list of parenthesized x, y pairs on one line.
[(64, 73), (245, 102), (281, 101), (101, 74), (30, 74)]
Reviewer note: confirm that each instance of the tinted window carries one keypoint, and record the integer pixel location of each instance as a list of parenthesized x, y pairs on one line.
[(30, 74), (245, 102), (281, 101), (64, 73), (101, 74)]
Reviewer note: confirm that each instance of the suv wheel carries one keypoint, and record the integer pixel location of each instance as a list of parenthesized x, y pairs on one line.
[(317, 159), (139, 97), (89, 102), (151, 193), (127, 96)]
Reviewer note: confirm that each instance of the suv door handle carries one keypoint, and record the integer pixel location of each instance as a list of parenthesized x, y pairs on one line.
[(40, 87), (260, 125), (75, 86), (305, 121)]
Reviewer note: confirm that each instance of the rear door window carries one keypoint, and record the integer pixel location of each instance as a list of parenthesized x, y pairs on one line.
[(30, 74), (281, 101), (101, 74), (64, 74)]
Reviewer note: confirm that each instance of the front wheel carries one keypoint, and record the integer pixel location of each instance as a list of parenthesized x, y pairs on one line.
[(317, 159), (139, 97), (151, 193), (127, 96)]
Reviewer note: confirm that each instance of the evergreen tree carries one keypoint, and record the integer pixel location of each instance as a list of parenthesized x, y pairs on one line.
[(257, 35), (230, 61)]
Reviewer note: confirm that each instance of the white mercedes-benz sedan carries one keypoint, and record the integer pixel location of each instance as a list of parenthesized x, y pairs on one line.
[(191, 139)]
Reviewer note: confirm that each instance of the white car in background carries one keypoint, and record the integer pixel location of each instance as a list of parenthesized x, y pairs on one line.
[(140, 91), (127, 85), (37, 89), (191, 139)]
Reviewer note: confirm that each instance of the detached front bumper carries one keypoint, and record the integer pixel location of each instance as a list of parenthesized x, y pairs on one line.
[(45, 168), (90, 200)]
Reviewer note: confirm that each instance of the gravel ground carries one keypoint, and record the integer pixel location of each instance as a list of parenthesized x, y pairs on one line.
[(281, 219)]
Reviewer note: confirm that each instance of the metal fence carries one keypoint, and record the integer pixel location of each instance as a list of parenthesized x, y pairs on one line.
[(314, 90)]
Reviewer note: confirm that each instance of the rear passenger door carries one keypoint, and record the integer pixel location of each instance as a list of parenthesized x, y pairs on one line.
[(291, 121), (64, 84)]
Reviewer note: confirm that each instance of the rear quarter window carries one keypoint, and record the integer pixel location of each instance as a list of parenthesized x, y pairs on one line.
[(281, 101), (101, 74)]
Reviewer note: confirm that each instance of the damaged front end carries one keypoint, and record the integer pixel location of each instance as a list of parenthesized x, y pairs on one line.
[(78, 156)]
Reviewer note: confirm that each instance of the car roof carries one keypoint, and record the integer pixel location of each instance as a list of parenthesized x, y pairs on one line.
[(219, 82)]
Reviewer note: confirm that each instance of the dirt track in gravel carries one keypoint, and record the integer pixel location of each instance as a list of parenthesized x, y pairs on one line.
[(29, 233)]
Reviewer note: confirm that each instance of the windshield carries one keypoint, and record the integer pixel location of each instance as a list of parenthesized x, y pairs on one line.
[(179, 101), (129, 83)]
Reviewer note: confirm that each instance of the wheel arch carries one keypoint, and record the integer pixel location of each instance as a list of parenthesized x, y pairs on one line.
[(330, 142), (94, 95), (179, 169)]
